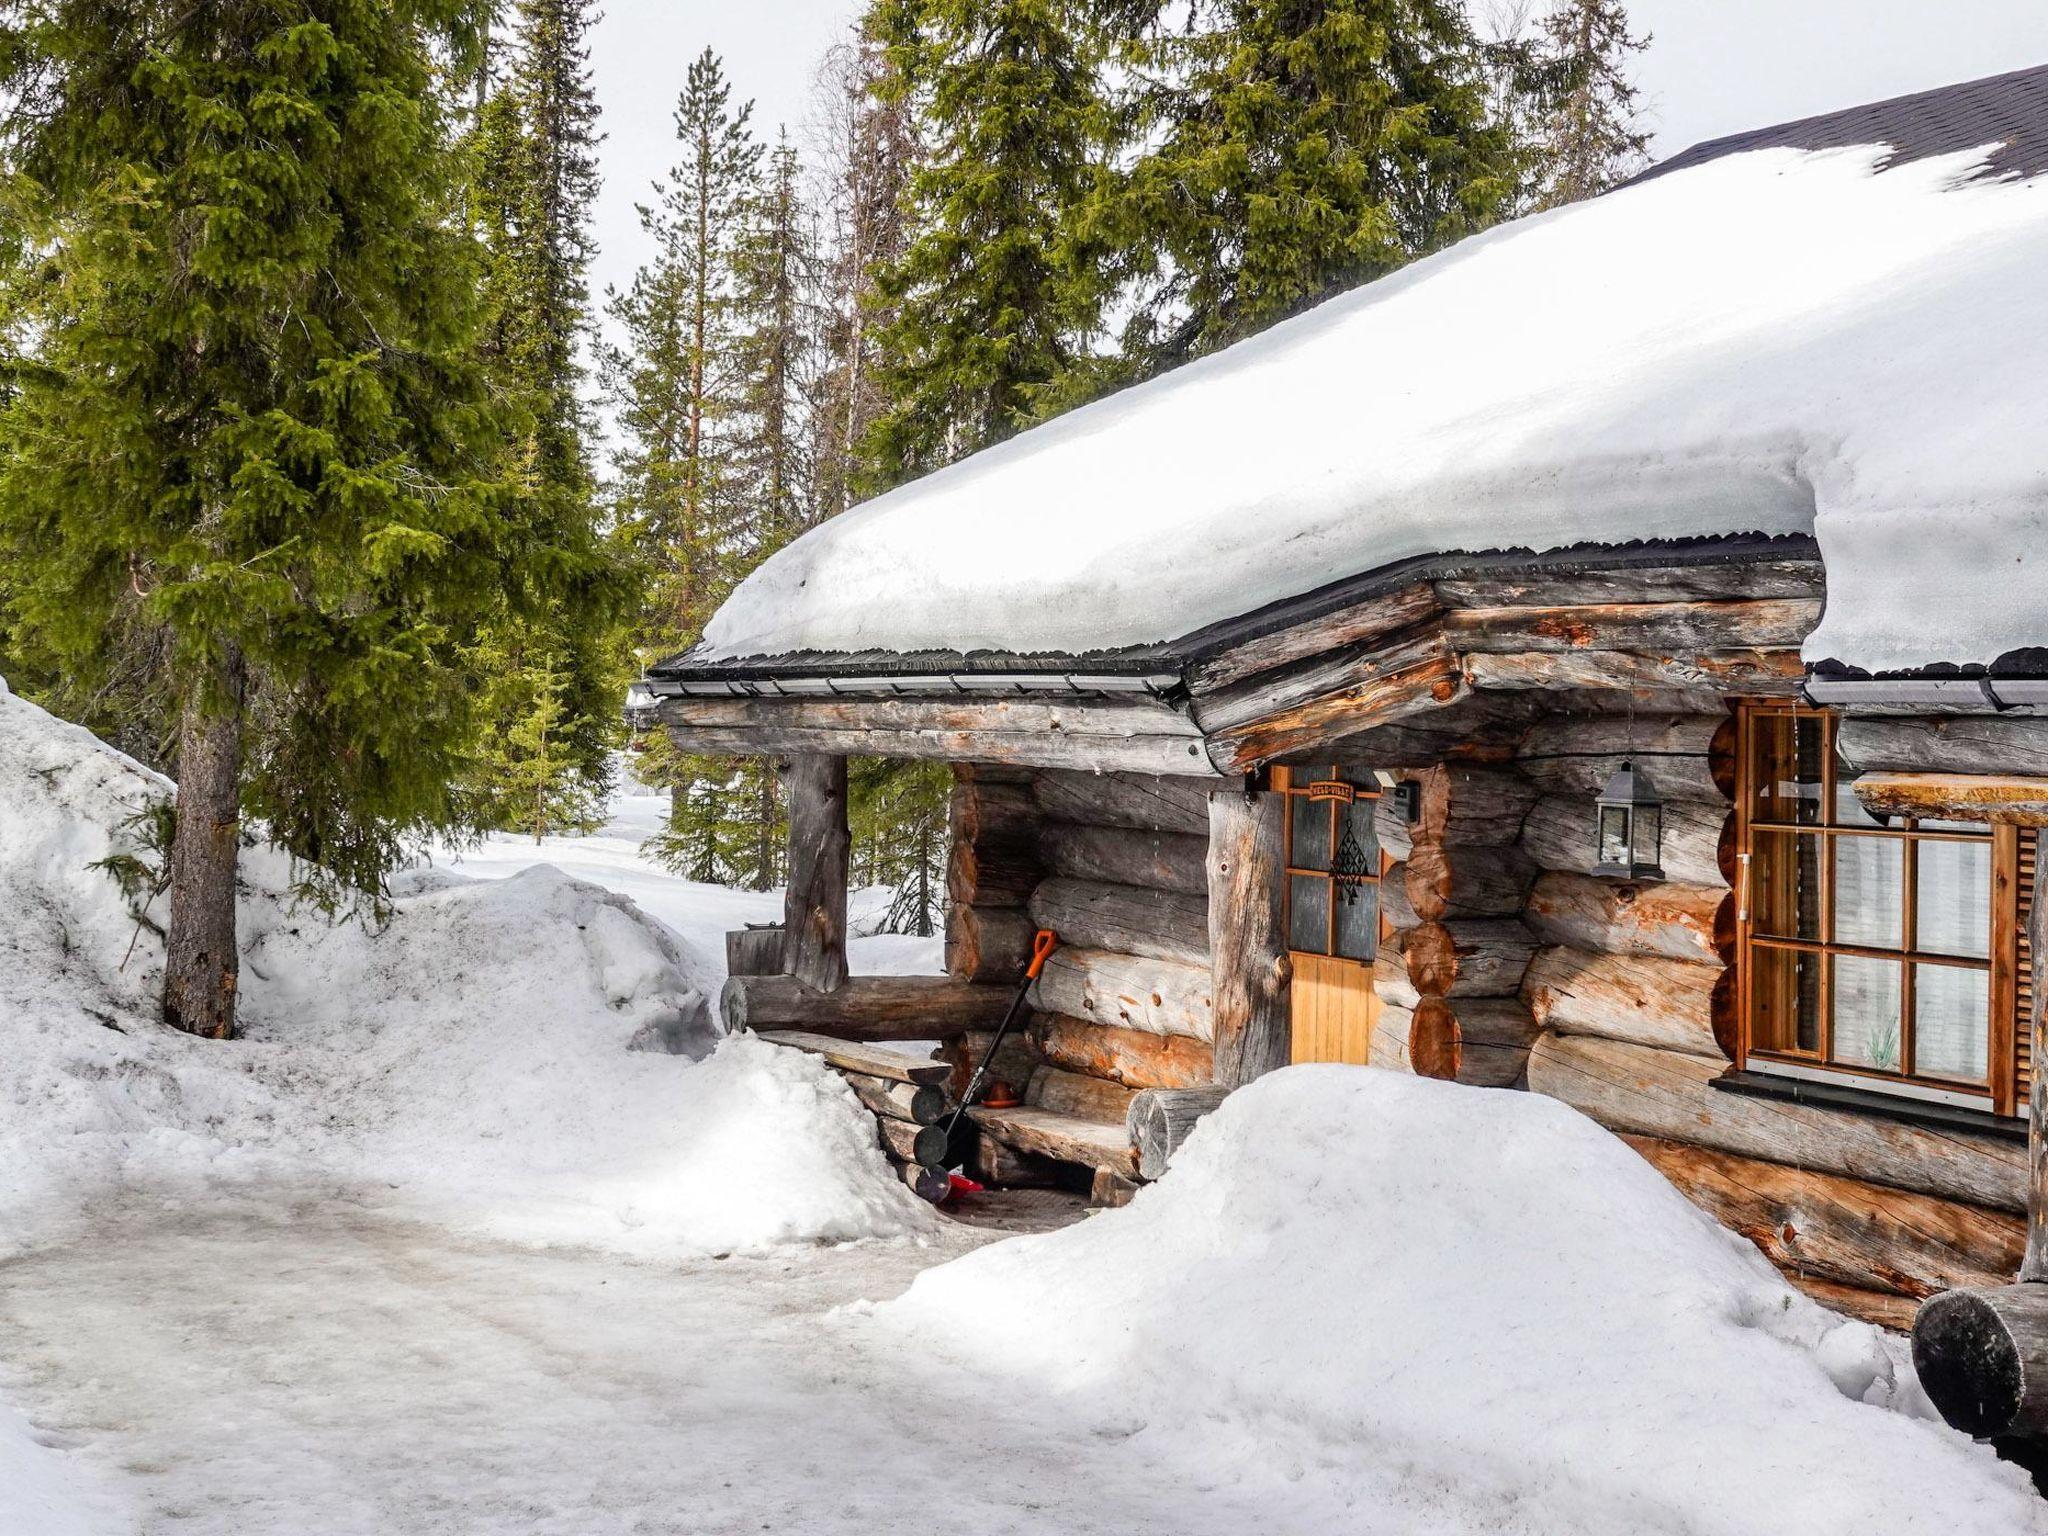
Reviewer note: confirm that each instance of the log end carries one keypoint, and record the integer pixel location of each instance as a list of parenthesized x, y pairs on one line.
[(1975, 1351), (732, 1003), (1435, 1043)]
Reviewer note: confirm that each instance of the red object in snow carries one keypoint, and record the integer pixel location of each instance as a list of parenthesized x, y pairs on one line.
[(963, 1185)]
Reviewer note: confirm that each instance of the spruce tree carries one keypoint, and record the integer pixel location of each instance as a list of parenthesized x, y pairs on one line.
[(776, 270), (253, 421), (535, 173), (991, 310), (1592, 138), (1296, 148)]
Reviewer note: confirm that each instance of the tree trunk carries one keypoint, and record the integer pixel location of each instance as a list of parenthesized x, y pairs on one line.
[(202, 967)]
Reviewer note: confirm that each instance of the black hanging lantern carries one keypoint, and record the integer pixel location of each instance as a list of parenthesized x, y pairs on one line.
[(1629, 827)]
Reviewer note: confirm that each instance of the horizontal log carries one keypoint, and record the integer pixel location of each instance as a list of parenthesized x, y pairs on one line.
[(1004, 1167), (1982, 1356), (1558, 834), (1140, 801), (1061, 1137), (1160, 1119), (1323, 675), (1727, 579), (864, 1007), (1880, 1309), (1634, 917), (1483, 1041), (1775, 674), (1478, 728), (1467, 882), (1165, 861), (916, 1103), (987, 943), (924, 1145), (1641, 999), (1653, 626), (1354, 624), (983, 806), (1847, 1231), (1469, 956), (1094, 914), (1978, 797), (930, 1184), (1144, 738), (1132, 1057), (1079, 1095), (753, 951), (1668, 1094), (1429, 684), (1471, 805), (1993, 744), (1161, 997), (1576, 755), (851, 1057)]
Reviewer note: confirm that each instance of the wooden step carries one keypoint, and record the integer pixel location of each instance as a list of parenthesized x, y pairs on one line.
[(1068, 1138), (875, 1061)]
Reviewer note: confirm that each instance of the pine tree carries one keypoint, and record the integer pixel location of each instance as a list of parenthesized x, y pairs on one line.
[(1592, 139), (535, 180), (870, 151), (1297, 147), (992, 311), (254, 413), (776, 271)]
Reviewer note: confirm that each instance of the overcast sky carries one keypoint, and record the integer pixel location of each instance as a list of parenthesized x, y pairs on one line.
[(1715, 67)]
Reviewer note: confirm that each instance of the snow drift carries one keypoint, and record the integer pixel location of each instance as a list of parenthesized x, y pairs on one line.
[(499, 1051), (1500, 1312), (1774, 342)]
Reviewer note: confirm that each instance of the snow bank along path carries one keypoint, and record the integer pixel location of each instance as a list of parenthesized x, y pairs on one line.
[(1775, 342), (1487, 1307)]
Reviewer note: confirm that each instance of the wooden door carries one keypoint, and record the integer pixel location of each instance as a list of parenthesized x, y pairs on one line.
[(1332, 912)]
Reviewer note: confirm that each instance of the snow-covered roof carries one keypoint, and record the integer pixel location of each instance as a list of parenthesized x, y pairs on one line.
[(1845, 342)]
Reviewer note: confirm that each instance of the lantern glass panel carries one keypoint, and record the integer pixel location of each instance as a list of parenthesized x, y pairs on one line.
[(1649, 832), (1614, 835)]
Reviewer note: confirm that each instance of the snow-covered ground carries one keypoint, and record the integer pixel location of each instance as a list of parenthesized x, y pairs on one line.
[(445, 1246)]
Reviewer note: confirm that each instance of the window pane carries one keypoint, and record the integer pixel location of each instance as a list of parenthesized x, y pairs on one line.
[(1356, 818), (1786, 1016), (1951, 1021), (1785, 885), (1311, 846), (1867, 994), (1787, 783), (1308, 914), (1358, 920), (1954, 912), (1870, 891)]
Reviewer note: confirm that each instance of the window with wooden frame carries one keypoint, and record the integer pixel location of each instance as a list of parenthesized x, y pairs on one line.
[(1884, 954), (1333, 865)]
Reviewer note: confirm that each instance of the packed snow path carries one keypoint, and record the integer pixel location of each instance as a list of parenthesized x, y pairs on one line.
[(308, 1366)]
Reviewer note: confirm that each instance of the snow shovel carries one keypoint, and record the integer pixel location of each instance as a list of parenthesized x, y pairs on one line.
[(1043, 943)]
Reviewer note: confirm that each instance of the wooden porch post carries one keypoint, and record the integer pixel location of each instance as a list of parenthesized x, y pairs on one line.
[(814, 908), (2034, 1266), (1248, 950)]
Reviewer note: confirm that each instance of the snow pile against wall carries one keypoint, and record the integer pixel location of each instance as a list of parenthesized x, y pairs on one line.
[(1774, 342), (530, 1055), (1492, 1306)]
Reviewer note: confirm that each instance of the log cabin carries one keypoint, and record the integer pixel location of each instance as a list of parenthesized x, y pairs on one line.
[(1602, 661)]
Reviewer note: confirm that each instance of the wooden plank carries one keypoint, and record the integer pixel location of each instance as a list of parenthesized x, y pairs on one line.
[(1978, 797), (820, 848), (866, 1007), (1655, 626), (1162, 997), (1727, 579), (1844, 1230), (1063, 1138), (1247, 939), (849, 1056), (1771, 674), (1135, 1058), (1641, 999), (1635, 1088)]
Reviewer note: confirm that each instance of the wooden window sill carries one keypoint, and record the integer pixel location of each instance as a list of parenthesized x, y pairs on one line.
[(1868, 1101)]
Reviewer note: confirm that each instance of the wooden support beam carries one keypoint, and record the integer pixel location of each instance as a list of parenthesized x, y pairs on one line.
[(865, 1007), (814, 906), (2034, 1267), (1764, 673), (1982, 797), (850, 1057), (1654, 626), (1247, 939), (1730, 580)]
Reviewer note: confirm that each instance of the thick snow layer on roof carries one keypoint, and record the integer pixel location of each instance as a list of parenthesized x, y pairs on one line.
[(1494, 1310), (1775, 342)]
